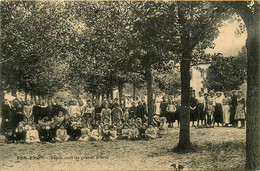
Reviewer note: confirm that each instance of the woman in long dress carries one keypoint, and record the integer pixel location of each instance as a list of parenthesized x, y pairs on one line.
[(200, 108), (226, 109), (170, 116), (218, 115), (240, 110), (193, 109)]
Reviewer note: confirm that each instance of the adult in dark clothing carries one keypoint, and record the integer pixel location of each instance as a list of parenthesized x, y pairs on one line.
[(193, 109), (17, 115), (116, 113), (49, 110), (43, 110), (233, 108), (140, 111), (98, 109), (7, 116), (56, 108), (36, 112), (132, 111), (163, 107)]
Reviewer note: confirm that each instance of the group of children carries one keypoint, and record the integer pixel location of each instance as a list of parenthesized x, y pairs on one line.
[(64, 127)]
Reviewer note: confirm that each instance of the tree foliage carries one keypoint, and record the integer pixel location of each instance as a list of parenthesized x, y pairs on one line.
[(227, 73)]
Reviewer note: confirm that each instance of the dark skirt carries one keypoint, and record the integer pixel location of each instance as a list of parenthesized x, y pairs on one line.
[(201, 113), (170, 116), (232, 114), (193, 115), (178, 113), (218, 114)]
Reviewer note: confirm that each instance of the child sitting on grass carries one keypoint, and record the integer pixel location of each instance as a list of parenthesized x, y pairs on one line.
[(163, 129), (85, 132), (75, 132), (32, 135), (134, 133), (142, 134), (118, 127), (125, 132), (105, 132), (61, 134), (20, 133), (151, 132), (9, 136), (96, 133), (112, 133)]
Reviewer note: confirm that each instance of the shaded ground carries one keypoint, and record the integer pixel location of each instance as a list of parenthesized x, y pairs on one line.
[(218, 149)]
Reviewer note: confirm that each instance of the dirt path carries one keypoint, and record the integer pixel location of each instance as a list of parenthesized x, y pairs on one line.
[(218, 148)]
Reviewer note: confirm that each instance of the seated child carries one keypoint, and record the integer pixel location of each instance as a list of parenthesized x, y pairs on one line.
[(125, 132), (112, 133), (44, 128), (67, 124), (96, 133), (151, 132), (59, 119), (118, 127), (85, 133), (32, 135), (105, 132), (61, 134), (142, 130), (75, 132), (163, 129), (20, 133), (156, 120), (134, 133), (9, 136), (138, 120)]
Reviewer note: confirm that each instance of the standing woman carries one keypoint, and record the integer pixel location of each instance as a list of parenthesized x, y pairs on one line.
[(35, 110), (163, 107), (193, 109), (106, 114), (218, 114), (240, 110), (200, 108), (89, 111), (233, 107), (226, 109), (157, 107), (171, 109)]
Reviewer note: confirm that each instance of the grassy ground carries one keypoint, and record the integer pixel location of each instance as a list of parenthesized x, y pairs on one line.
[(217, 149)]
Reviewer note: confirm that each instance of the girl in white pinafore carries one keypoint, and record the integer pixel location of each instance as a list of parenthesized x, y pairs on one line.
[(226, 109)]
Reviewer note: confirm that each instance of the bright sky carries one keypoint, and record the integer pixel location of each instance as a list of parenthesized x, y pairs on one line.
[(228, 42)]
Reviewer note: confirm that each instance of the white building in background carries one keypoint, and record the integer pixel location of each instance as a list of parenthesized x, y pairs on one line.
[(198, 75)]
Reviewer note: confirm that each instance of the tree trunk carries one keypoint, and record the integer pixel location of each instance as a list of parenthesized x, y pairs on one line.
[(134, 89), (253, 113), (111, 93), (102, 96), (184, 138), (1, 94), (149, 82), (107, 93), (25, 96), (120, 91), (251, 20)]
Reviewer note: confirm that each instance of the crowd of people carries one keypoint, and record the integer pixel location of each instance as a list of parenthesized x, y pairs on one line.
[(35, 121), (30, 121)]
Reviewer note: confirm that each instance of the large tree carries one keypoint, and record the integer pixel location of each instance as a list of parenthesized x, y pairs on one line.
[(197, 25), (249, 12)]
